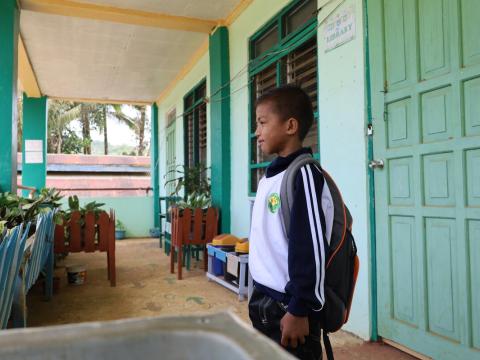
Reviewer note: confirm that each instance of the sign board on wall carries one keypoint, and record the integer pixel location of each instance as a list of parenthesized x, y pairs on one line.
[(339, 28), (33, 151)]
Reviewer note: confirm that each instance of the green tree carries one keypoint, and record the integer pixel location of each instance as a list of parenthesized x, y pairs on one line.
[(137, 123), (61, 137)]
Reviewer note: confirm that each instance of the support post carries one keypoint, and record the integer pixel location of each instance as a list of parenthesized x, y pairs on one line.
[(9, 32), (220, 124), (34, 145), (154, 157)]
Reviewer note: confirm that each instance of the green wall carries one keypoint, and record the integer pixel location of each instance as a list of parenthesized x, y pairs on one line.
[(252, 19), (174, 100), (135, 212), (342, 81)]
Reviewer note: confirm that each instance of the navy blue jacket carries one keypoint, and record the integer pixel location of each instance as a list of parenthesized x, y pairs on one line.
[(307, 247)]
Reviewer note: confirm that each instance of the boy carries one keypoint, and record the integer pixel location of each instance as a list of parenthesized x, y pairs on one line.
[(288, 269)]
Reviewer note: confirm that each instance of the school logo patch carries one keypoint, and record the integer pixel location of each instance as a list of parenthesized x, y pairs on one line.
[(273, 203)]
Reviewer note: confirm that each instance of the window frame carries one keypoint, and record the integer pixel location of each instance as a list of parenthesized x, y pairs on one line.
[(274, 55), (186, 111)]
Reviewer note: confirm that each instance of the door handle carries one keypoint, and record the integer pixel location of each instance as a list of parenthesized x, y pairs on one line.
[(376, 164)]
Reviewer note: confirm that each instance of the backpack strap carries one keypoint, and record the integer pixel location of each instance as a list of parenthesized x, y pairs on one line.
[(328, 346), (288, 186)]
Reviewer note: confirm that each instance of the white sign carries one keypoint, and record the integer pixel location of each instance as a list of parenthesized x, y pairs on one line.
[(33, 145), (33, 151), (339, 28), (33, 157)]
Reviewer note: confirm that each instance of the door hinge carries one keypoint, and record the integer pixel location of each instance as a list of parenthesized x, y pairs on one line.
[(370, 130)]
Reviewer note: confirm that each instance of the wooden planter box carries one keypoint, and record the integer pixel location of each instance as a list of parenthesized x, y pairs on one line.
[(192, 227), (93, 235)]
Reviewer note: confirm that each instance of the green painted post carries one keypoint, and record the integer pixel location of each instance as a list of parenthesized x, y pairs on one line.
[(154, 166), (34, 143), (220, 123), (9, 23)]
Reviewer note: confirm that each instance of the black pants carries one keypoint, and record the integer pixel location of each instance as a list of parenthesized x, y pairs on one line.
[(266, 313)]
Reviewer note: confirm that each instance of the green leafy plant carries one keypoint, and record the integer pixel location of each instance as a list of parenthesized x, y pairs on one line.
[(194, 182), (74, 205), (119, 225), (15, 209)]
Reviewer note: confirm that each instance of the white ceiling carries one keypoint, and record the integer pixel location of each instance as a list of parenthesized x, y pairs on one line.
[(204, 9), (91, 59)]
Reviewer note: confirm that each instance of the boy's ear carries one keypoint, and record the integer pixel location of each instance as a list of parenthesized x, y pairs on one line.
[(292, 126)]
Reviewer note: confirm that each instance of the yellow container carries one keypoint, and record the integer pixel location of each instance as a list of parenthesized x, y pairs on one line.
[(224, 240), (242, 246)]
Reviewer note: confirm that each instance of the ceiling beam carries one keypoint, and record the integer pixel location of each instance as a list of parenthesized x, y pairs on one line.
[(25, 72), (236, 12), (119, 15), (102, 101)]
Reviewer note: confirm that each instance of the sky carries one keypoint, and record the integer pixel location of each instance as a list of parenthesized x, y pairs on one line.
[(118, 133)]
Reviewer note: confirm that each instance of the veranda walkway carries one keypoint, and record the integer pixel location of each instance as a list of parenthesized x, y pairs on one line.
[(145, 287)]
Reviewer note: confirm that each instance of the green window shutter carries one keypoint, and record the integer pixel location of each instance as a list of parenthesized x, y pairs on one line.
[(290, 60), (195, 125)]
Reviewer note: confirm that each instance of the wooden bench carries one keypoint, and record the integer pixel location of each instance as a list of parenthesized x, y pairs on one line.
[(94, 235)]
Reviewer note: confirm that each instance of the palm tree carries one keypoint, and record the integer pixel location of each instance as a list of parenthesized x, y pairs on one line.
[(99, 116), (60, 114), (135, 123)]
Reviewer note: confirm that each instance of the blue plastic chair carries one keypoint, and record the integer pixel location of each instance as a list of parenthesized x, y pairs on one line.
[(15, 244), (41, 256)]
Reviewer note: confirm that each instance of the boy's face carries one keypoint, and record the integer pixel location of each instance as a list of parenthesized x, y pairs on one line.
[(272, 131)]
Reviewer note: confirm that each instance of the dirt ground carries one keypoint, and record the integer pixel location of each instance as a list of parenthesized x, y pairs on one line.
[(145, 287)]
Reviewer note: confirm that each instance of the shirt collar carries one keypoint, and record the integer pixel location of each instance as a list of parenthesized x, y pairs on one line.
[(280, 163)]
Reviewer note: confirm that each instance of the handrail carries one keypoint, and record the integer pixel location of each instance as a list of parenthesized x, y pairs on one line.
[(146, 189), (31, 188)]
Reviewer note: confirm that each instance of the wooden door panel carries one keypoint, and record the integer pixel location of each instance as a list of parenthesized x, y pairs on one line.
[(437, 119), (470, 32), (474, 242), (404, 269), (441, 277), (471, 90), (434, 38), (400, 124), (425, 76)]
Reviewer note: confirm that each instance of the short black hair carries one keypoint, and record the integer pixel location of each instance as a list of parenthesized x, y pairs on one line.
[(290, 101)]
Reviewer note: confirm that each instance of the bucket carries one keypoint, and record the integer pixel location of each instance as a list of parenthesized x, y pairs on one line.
[(76, 274)]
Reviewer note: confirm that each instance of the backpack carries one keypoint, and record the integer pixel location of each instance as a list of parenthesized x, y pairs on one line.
[(342, 263)]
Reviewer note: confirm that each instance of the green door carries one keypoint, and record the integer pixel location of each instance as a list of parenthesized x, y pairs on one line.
[(170, 173), (171, 158), (425, 76)]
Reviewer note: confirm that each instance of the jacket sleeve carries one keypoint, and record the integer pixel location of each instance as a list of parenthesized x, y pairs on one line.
[(307, 247)]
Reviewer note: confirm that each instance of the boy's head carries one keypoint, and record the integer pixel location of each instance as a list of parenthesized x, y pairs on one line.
[(284, 115)]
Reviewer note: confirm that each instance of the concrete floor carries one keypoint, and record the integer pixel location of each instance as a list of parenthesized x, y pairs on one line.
[(145, 287)]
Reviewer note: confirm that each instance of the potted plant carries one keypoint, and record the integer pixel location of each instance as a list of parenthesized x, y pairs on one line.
[(119, 230), (195, 185)]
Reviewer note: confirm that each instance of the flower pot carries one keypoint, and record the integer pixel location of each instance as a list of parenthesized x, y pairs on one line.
[(155, 232), (119, 234)]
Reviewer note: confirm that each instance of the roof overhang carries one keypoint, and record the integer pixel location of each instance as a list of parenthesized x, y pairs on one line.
[(115, 51)]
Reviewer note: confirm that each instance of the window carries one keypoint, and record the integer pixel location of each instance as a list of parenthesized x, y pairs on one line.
[(291, 58), (195, 125)]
